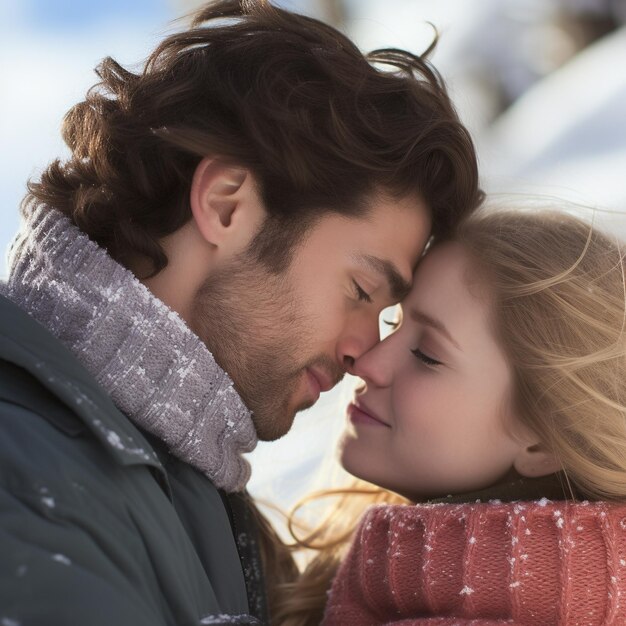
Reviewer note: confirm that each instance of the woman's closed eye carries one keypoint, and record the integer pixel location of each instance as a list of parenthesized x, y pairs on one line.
[(425, 359)]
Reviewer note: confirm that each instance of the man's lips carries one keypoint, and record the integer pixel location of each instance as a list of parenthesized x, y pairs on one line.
[(360, 414), (319, 381), (323, 380)]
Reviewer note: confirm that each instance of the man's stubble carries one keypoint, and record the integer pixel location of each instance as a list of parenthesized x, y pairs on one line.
[(251, 321)]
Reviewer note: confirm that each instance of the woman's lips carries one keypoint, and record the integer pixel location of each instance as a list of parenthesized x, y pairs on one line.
[(359, 414)]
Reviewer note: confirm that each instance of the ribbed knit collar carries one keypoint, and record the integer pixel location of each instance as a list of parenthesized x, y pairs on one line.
[(156, 370), (553, 486)]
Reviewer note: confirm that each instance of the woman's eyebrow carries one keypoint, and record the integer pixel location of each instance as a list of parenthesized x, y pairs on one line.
[(399, 286), (423, 318)]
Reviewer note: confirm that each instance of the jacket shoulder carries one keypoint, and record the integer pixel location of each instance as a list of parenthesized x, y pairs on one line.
[(18, 388)]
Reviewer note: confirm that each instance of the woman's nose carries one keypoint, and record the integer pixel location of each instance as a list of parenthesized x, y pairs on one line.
[(375, 366)]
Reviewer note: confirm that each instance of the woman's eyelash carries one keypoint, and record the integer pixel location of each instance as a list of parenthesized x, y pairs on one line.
[(424, 358), (361, 293)]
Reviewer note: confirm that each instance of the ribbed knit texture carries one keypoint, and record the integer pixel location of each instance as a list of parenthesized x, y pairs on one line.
[(526, 563), (154, 368)]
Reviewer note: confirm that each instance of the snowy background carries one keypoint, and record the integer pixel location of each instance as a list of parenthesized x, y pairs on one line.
[(540, 83)]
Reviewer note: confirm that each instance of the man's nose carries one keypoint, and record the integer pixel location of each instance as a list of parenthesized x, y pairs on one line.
[(358, 337)]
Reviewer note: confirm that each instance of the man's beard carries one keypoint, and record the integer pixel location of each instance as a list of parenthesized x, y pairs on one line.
[(251, 322)]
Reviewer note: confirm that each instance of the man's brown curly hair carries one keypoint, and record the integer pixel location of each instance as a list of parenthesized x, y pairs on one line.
[(320, 126)]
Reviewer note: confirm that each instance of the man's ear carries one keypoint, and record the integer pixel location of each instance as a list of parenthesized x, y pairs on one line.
[(225, 204), (535, 460)]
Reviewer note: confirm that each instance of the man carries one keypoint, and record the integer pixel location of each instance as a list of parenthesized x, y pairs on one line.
[(213, 255)]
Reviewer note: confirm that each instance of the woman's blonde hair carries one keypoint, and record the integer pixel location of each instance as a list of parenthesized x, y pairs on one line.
[(558, 305), (557, 293), (300, 600)]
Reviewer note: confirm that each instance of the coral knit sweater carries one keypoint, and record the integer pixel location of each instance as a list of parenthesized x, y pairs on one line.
[(524, 563)]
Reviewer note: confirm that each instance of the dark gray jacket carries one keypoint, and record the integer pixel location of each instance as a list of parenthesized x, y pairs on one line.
[(98, 524)]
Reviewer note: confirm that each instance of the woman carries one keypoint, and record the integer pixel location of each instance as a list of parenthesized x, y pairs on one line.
[(496, 406)]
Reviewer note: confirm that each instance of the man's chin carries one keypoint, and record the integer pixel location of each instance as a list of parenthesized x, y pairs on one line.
[(271, 427), (271, 434)]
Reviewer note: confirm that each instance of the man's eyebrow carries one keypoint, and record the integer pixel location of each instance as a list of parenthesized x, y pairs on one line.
[(399, 286), (426, 320)]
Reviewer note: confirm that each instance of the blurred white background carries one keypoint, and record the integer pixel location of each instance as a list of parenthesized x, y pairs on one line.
[(540, 83)]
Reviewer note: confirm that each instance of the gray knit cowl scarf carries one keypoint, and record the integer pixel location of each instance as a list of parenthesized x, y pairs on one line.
[(156, 370)]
